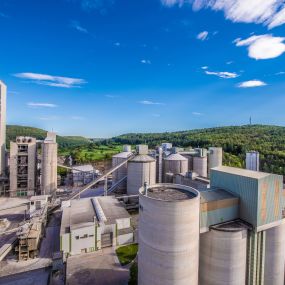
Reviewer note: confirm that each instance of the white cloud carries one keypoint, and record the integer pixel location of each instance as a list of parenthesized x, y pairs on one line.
[(197, 114), (145, 61), (267, 12), (280, 73), (222, 74), (50, 80), (229, 62), (204, 67), (202, 36), (263, 46), (76, 25), (49, 118), (117, 44), (41, 105), (251, 83), (146, 102)]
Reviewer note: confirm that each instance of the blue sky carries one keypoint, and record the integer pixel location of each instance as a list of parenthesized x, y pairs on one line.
[(100, 68)]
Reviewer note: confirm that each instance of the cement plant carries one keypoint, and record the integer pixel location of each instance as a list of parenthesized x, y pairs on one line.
[(193, 220)]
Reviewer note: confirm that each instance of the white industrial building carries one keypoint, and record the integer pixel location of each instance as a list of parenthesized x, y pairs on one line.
[(90, 224), (252, 160), (83, 174)]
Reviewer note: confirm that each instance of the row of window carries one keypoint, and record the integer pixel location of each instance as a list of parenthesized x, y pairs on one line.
[(84, 236)]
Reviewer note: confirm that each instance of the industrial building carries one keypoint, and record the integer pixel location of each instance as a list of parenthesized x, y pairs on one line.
[(83, 174), (240, 238), (49, 165), (23, 167), (90, 224)]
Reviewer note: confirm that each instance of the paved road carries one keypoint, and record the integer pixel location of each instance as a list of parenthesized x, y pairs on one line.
[(98, 268)]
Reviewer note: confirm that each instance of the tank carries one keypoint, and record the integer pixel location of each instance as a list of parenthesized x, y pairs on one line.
[(168, 235), (200, 165), (175, 163), (223, 255), (122, 171), (141, 169), (215, 158), (274, 255)]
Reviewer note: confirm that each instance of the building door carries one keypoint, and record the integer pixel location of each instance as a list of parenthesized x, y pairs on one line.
[(107, 239)]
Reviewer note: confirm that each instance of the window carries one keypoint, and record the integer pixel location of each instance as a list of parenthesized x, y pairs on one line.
[(77, 237)]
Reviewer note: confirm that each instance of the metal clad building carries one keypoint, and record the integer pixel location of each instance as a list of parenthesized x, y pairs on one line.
[(260, 193)]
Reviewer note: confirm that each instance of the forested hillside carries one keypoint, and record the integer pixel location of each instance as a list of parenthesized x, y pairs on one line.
[(69, 141), (235, 140)]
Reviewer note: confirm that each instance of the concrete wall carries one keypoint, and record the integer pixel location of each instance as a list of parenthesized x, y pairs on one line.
[(125, 239), (88, 243), (65, 243), (123, 223)]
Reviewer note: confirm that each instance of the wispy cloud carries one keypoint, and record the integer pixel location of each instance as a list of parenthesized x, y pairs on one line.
[(50, 80), (280, 73), (268, 12), (204, 67), (88, 5), (2, 15), (111, 96), (197, 114), (49, 118), (251, 83), (147, 102), (117, 44), (222, 74), (203, 36), (263, 46), (41, 105), (145, 61), (76, 25)]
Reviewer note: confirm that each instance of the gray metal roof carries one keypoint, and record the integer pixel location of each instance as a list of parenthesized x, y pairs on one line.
[(112, 209), (124, 154), (241, 172), (176, 156), (142, 158)]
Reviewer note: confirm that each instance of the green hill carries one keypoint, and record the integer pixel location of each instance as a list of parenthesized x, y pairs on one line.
[(64, 141), (235, 140)]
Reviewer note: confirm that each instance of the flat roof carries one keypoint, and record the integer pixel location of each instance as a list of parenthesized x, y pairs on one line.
[(241, 172), (215, 195), (168, 193), (112, 209), (86, 168)]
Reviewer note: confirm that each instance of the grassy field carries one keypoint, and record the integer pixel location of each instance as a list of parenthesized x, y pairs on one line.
[(127, 253)]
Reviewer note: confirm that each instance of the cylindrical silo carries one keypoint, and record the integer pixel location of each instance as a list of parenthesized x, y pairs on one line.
[(200, 165), (168, 235), (223, 255), (141, 169), (215, 157), (122, 171), (49, 165), (274, 255), (175, 163)]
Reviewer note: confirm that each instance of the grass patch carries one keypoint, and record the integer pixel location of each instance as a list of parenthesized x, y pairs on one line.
[(127, 253)]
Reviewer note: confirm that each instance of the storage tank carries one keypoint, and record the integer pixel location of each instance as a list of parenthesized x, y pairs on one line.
[(200, 165), (223, 255), (175, 163), (122, 171), (168, 235), (274, 255), (215, 158), (141, 169)]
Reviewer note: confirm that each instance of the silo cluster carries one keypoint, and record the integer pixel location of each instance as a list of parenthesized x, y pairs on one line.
[(168, 235)]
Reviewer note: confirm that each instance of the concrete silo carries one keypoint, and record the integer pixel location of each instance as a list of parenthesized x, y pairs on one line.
[(122, 171), (274, 255), (223, 255), (215, 157), (49, 165), (141, 169), (168, 235), (200, 162), (176, 164)]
